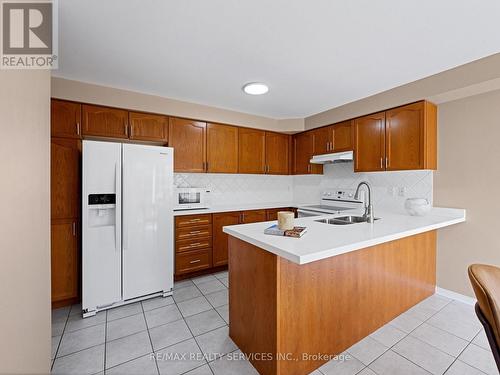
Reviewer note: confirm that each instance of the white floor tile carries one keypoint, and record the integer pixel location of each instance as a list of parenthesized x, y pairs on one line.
[(225, 281), (424, 355), (194, 306), (182, 283), (367, 350), (406, 322), (162, 315), (61, 313), (345, 364), (127, 348), (154, 303), (218, 299), (169, 334), (461, 368), (221, 275), (204, 322), (481, 340), (211, 286), (391, 363), (179, 358), (388, 335), (440, 339), (366, 371), (144, 366), (125, 326), (458, 319), (203, 279), (76, 309), (124, 311), (233, 363), (188, 292), (479, 358), (76, 322), (202, 370), (224, 312), (88, 361), (82, 339), (216, 343), (55, 344), (58, 327)]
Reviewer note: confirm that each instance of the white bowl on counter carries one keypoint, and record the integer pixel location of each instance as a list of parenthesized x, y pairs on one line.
[(417, 206)]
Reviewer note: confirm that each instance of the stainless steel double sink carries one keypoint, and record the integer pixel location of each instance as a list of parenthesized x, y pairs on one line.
[(345, 220)]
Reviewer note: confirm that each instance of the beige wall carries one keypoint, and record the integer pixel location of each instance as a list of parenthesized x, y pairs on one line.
[(468, 177), (478, 76), (90, 93), (24, 218)]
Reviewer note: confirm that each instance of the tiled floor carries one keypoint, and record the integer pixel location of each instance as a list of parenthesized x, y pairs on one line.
[(188, 334)]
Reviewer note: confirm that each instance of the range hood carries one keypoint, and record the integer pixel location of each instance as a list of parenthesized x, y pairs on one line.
[(337, 157)]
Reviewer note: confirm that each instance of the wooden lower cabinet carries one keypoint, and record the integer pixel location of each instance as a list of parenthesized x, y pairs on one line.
[(193, 243), (64, 261), (200, 243), (192, 261), (220, 220)]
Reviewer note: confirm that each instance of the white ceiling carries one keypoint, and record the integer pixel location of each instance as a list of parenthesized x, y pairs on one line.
[(315, 55)]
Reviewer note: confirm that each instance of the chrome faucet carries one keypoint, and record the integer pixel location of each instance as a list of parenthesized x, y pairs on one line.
[(368, 215)]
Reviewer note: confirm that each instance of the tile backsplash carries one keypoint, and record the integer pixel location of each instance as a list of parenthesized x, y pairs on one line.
[(229, 189), (386, 186)]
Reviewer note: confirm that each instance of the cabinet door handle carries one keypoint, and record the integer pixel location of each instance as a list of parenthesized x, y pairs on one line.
[(195, 261), (131, 130), (386, 162), (74, 229), (126, 129), (78, 128), (195, 244), (381, 163), (309, 168), (331, 145)]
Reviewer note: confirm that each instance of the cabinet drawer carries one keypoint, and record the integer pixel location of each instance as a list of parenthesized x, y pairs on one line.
[(190, 220), (187, 233), (193, 261), (193, 244)]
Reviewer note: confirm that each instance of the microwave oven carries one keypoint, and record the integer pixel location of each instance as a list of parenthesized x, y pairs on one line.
[(191, 198)]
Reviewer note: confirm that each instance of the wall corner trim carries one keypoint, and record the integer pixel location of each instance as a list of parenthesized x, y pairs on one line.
[(456, 296)]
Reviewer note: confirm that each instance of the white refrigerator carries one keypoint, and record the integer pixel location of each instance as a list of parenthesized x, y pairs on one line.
[(127, 220)]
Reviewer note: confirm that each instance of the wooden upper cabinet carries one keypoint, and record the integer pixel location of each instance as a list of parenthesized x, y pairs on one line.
[(188, 138), (303, 152), (322, 140), (251, 151), (369, 143), (105, 122), (65, 178), (65, 119), (277, 153), (222, 148), (342, 136), (410, 136), (148, 127), (219, 243)]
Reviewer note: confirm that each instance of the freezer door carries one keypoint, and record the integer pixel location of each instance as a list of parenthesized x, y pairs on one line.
[(147, 220), (101, 221)]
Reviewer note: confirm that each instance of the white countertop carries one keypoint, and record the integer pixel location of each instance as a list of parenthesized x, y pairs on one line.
[(240, 207), (325, 240)]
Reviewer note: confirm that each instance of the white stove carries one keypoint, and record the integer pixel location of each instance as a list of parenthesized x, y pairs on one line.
[(333, 201)]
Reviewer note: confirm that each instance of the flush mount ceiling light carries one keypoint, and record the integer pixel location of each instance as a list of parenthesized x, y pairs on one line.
[(255, 88)]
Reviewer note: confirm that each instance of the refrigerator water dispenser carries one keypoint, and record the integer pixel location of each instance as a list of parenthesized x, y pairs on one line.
[(102, 210)]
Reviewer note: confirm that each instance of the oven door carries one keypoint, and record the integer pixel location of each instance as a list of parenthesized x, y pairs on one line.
[(301, 212)]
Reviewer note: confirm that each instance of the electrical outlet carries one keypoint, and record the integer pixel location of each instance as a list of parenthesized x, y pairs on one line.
[(402, 191)]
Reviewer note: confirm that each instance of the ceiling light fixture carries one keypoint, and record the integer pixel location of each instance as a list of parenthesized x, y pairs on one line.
[(256, 88)]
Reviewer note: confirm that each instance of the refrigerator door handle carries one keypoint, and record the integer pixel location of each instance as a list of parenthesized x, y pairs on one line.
[(117, 212)]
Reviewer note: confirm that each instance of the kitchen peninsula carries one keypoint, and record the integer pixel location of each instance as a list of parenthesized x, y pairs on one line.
[(294, 303)]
